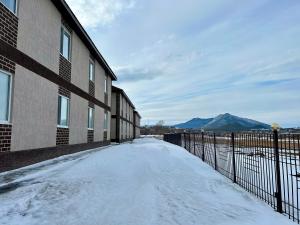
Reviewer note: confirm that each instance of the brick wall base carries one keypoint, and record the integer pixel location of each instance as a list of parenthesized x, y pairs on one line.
[(15, 160)]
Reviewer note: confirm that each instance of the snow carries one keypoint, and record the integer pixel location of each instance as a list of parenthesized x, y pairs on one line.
[(148, 182)]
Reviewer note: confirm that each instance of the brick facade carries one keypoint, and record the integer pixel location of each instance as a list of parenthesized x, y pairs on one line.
[(9, 34), (62, 136), (90, 137), (8, 26), (5, 137), (65, 68)]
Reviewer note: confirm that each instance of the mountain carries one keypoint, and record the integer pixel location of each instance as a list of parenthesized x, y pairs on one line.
[(228, 122), (224, 122), (194, 123)]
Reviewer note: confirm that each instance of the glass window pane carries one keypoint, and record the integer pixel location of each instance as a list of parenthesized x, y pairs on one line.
[(91, 71), (91, 118), (4, 96), (65, 44), (105, 121), (105, 85), (63, 108), (11, 4)]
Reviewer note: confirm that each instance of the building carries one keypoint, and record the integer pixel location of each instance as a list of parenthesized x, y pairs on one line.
[(123, 117), (55, 86), (137, 125)]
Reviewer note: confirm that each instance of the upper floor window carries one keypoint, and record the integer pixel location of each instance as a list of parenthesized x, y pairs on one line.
[(105, 85), (5, 92), (65, 43), (91, 118), (105, 121), (63, 111), (91, 71), (10, 4)]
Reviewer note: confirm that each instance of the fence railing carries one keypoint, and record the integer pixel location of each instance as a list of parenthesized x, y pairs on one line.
[(265, 164)]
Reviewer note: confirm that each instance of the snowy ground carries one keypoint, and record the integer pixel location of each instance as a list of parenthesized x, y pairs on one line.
[(149, 182)]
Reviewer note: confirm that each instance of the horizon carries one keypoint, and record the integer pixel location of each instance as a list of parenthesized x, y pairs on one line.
[(201, 58)]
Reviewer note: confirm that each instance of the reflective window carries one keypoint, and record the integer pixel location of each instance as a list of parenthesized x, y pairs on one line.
[(63, 111), (91, 118), (65, 43), (11, 4), (5, 80), (105, 121), (92, 71)]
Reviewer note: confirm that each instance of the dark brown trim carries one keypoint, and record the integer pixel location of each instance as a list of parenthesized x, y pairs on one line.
[(15, 160), (29, 63), (73, 22)]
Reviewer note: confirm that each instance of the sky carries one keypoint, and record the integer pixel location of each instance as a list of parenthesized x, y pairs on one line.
[(179, 60)]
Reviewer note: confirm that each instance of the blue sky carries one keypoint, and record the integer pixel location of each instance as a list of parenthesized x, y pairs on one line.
[(199, 58)]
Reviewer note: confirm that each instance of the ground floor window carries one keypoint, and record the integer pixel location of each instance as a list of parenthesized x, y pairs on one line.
[(91, 118), (63, 111), (5, 92), (105, 121)]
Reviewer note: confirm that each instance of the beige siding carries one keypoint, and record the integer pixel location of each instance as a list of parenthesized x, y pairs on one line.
[(99, 124), (34, 107)]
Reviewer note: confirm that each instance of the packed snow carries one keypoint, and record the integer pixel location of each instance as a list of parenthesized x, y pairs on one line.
[(147, 182)]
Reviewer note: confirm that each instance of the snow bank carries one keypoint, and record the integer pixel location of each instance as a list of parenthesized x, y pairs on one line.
[(149, 182)]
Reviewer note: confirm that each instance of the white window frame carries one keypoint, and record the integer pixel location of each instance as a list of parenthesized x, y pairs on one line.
[(65, 30), (91, 62), (89, 118), (8, 121), (16, 7), (63, 126)]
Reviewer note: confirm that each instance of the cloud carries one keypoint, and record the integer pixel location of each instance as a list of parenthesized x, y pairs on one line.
[(92, 13), (129, 74)]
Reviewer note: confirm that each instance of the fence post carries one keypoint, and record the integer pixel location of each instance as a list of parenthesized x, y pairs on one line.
[(278, 194), (215, 148), (184, 138), (194, 143), (203, 147), (233, 157), (190, 149)]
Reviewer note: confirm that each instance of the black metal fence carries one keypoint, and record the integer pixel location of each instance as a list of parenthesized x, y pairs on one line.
[(265, 164)]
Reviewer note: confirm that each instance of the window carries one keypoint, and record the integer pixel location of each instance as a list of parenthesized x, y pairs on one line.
[(63, 111), (105, 121), (10, 4), (91, 118), (65, 43), (105, 85), (91, 71), (5, 92)]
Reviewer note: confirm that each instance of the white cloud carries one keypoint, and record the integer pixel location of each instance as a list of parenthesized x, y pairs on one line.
[(92, 13)]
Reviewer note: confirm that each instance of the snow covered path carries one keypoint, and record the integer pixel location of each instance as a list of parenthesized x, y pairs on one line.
[(149, 182)]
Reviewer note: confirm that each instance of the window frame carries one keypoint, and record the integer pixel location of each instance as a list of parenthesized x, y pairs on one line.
[(59, 113), (105, 124), (91, 62), (88, 126), (63, 31), (15, 9), (106, 85), (10, 75)]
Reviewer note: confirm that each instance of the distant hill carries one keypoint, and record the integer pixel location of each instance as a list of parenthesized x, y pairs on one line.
[(194, 123), (224, 122)]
